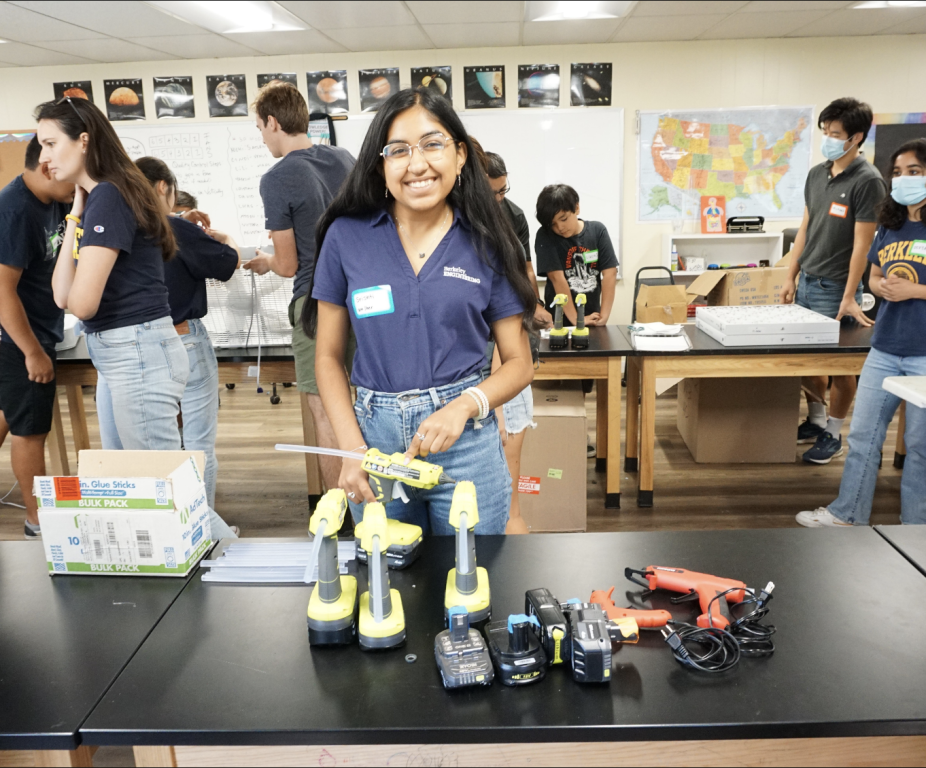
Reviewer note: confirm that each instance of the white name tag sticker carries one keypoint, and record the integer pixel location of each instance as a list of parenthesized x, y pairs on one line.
[(839, 211), (370, 302), (589, 257), (918, 248)]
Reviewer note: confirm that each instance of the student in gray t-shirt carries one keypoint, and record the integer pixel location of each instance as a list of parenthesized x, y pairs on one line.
[(830, 252), (295, 192)]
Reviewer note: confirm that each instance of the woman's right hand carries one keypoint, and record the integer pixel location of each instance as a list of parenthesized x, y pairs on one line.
[(80, 200), (788, 291), (354, 482)]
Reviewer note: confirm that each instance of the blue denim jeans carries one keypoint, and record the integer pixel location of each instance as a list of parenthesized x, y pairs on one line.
[(822, 294), (389, 421), (142, 372), (874, 409)]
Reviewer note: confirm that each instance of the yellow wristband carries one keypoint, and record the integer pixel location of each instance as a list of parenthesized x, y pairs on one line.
[(72, 217)]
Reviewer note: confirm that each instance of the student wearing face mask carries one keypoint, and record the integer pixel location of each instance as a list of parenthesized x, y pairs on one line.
[(898, 275), (830, 250), (415, 255)]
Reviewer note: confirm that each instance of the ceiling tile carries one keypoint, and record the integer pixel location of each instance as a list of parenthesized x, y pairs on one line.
[(23, 55), (853, 22), (653, 28), (120, 19), (373, 38), (915, 26), (202, 46), (745, 25), (342, 15), (474, 35), (25, 26), (569, 32), (280, 43), (684, 7), (486, 11), (108, 50), (766, 6)]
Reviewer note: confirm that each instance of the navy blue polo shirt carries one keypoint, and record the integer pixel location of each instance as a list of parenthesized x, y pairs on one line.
[(198, 257), (135, 291), (413, 331)]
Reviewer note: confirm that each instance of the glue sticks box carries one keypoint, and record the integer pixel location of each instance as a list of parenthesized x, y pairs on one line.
[(126, 512)]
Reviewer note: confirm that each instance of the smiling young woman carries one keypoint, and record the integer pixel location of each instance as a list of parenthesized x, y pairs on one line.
[(417, 256)]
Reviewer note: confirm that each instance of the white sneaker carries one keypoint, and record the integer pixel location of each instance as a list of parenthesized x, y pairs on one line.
[(821, 517)]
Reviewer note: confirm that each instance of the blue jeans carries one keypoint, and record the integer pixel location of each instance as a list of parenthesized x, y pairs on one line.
[(389, 422), (519, 412), (142, 372), (822, 294), (874, 409)]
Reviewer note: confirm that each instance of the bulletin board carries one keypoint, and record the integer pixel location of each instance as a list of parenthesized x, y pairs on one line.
[(13, 154)]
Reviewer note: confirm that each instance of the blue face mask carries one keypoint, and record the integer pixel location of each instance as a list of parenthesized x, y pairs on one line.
[(833, 149), (908, 190)]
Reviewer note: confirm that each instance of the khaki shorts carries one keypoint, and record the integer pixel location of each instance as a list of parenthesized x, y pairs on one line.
[(304, 350)]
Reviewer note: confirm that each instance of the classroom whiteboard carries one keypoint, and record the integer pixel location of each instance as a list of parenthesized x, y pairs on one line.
[(221, 163)]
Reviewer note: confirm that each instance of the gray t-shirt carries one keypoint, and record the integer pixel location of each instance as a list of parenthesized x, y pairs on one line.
[(835, 205), (296, 191)]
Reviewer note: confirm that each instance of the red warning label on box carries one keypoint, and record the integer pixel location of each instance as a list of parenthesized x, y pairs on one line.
[(67, 488), (528, 484)]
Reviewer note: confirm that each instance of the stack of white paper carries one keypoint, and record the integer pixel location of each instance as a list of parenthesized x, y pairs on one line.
[(246, 562)]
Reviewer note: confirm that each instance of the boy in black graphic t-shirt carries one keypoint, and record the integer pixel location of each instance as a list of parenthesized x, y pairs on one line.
[(575, 255)]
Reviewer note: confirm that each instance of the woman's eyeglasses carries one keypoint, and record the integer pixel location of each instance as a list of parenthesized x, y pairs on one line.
[(500, 194), (71, 103), (430, 148)]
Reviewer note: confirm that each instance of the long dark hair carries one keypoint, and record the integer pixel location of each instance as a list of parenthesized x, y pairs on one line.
[(156, 170), (891, 214), (107, 160), (364, 192)]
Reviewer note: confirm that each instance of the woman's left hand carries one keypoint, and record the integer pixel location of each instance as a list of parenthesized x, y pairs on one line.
[(896, 289), (442, 429)]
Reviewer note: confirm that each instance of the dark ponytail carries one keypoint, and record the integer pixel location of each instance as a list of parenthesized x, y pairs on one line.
[(107, 160), (364, 192)]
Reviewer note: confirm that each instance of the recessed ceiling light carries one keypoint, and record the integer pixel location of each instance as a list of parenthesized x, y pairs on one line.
[(228, 18), (571, 10), (889, 4)]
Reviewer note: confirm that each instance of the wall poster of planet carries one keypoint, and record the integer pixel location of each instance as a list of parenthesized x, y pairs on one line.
[(276, 77), (327, 91), (173, 97), (438, 79), (76, 89), (484, 87), (590, 85), (228, 95), (124, 99), (538, 85), (377, 85)]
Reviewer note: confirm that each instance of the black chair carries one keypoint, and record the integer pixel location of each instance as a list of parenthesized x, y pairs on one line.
[(638, 281), (790, 235)]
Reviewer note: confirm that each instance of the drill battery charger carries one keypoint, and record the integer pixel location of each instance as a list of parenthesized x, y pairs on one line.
[(404, 544)]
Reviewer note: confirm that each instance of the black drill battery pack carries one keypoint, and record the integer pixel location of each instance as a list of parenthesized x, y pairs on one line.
[(516, 651)]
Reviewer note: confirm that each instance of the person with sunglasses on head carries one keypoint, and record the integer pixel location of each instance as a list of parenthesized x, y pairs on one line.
[(898, 348), (32, 211), (415, 255), (110, 273), (829, 252)]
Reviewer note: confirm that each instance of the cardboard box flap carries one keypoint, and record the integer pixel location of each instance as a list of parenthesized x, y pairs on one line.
[(785, 262), (135, 463), (705, 283), (660, 295), (558, 398)]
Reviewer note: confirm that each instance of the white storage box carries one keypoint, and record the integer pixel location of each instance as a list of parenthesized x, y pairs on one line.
[(138, 512), (776, 325), (71, 337)]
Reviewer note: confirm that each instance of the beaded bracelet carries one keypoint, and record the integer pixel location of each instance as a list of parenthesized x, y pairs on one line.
[(481, 401)]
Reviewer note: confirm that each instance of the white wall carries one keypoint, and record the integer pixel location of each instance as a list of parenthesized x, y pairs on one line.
[(888, 72)]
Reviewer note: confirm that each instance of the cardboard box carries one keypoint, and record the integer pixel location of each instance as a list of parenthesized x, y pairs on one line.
[(126, 512), (738, 287), (741, 420), (554, 468), (662, 303)]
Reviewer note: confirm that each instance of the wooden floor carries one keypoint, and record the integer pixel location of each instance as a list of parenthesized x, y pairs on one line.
[(263, 491)]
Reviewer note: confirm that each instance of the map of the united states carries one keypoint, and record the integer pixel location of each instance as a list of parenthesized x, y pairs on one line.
[(746, 160)]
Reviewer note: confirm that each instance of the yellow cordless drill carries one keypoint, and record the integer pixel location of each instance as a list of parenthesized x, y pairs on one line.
[(382, 619), (580, 332), (333, 603), (559, 336), (467, 585)]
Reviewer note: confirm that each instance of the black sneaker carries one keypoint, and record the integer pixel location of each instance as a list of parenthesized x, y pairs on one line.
[(32, 532), (825, 449), (808, 432), (590, 450)]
